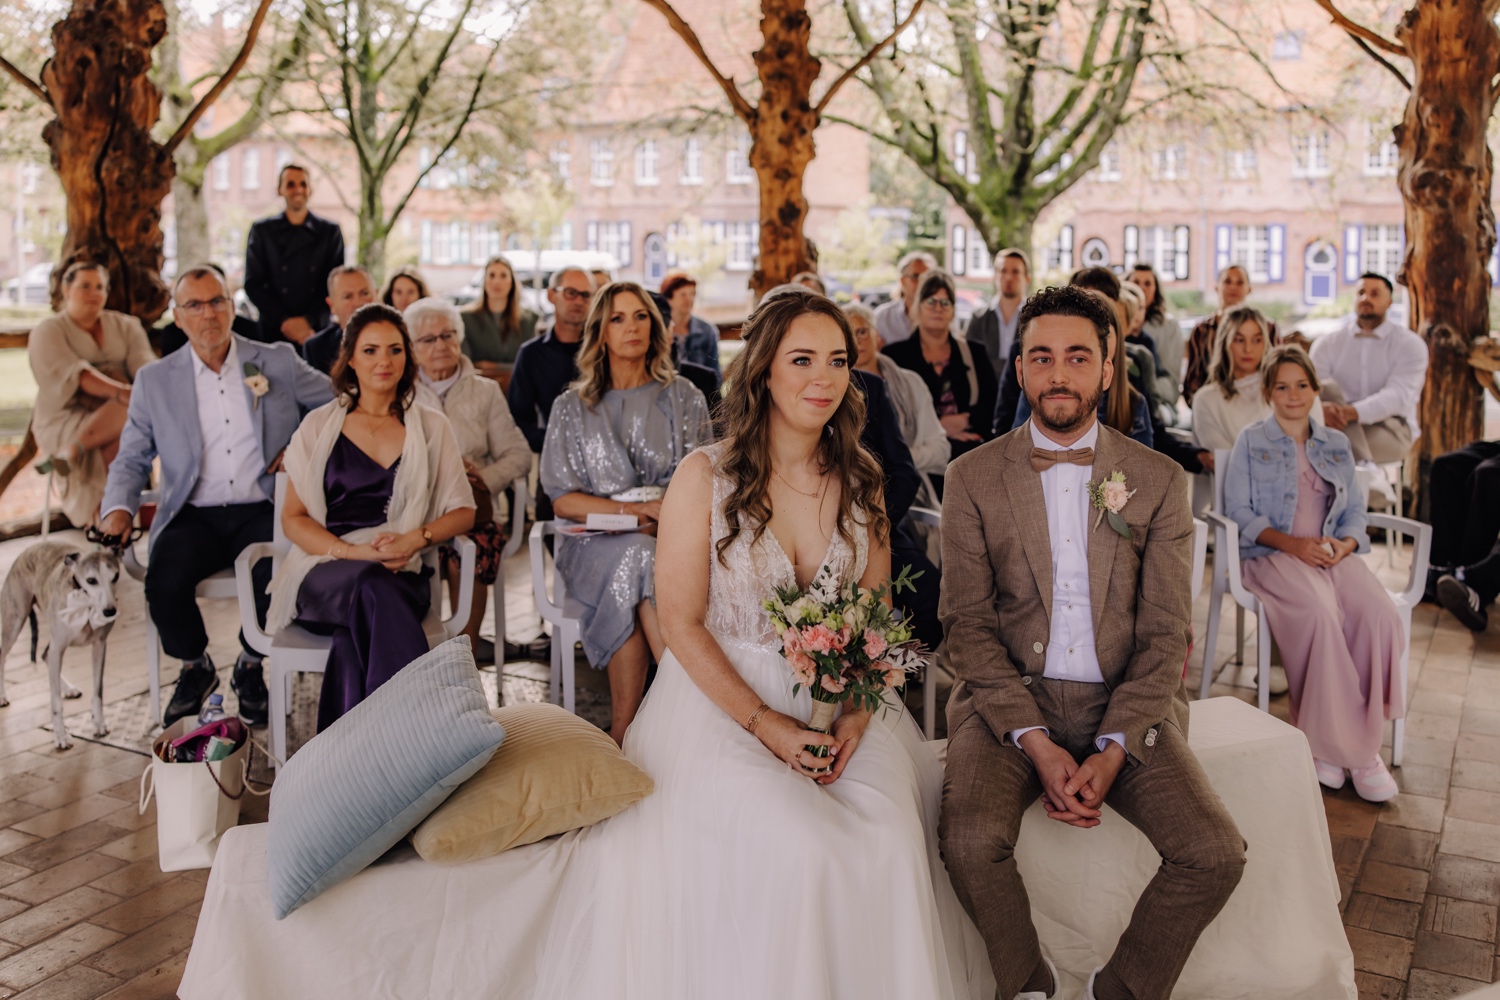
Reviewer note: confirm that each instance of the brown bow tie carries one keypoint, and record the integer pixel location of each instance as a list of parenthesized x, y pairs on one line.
[(1043, 459)]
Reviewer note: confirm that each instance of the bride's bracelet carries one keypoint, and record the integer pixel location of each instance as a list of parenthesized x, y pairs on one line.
[(755, 719)]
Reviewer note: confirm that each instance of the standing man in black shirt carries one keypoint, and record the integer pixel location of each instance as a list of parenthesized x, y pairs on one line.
[(288, 261)]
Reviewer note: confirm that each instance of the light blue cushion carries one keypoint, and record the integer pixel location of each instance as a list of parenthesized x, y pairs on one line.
[(366, 781)]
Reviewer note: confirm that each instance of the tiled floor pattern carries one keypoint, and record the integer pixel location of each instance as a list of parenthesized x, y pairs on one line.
[(85, 912)]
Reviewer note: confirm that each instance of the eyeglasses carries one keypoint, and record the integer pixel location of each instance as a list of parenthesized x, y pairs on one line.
[(446, 336), (197, 307), (574, 295), (938, 303)]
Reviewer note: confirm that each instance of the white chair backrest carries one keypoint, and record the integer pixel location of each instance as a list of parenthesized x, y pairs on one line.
[(1221, 462), (278, 536), (1200, 554)]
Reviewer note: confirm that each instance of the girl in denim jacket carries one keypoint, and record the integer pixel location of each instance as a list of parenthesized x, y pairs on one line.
[(1290, 487)]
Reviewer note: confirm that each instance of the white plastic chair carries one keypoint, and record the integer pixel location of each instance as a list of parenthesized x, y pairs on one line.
[(1200, 555), (295, 650), (1227, 578), (562, 612), (220, 586), (933, 518), (521, 497)]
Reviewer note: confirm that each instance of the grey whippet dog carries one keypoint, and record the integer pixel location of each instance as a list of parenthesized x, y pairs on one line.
[(75, 591)]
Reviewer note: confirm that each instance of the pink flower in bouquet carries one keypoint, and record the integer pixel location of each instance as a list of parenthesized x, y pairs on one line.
[(894, 676), (803, 667), (821, 639), (791, 641), (833, 685), (874, 644)]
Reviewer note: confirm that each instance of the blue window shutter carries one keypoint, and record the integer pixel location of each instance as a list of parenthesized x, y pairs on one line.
[(1222, 239), (1181, 238), (1276, 264), (1351, 254)]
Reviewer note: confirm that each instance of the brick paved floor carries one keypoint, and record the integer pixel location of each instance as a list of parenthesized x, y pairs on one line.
[(84, 911)]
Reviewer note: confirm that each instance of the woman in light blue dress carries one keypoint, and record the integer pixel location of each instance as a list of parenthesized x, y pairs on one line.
[(613, 441)]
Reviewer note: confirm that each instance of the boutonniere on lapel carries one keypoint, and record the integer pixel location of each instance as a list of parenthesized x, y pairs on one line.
[(1109, 497), (256, 382)]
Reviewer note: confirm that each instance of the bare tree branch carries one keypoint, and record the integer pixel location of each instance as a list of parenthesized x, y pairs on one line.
[(1370, 51), (186, 128), (1359, 31), (864, 60), (690, 38), (36, 89)]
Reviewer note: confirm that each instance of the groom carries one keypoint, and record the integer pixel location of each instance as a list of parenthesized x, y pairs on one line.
[(1068, 640)]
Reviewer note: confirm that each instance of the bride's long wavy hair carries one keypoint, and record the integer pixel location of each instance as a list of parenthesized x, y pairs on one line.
[(745, 414)]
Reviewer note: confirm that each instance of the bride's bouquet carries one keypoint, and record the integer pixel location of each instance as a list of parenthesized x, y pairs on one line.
[(844, 644)]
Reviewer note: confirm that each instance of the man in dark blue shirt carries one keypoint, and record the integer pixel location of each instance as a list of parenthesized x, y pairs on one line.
[(546, 363), (349, 287), (288, 261)]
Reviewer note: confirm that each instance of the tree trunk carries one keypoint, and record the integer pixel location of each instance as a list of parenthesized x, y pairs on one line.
[(782, 140), (190, 218), (1445, 178), (114, 175), (373, 231)]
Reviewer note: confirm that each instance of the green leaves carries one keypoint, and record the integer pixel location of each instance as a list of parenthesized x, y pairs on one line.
[(1118, 523)]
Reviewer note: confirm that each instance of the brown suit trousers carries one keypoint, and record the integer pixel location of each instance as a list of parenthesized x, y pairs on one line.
[(996, 607)]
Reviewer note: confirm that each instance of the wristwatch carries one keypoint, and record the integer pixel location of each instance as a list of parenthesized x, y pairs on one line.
[(426, 534)]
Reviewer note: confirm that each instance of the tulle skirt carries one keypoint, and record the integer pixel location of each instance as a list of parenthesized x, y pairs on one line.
[(738, 878)]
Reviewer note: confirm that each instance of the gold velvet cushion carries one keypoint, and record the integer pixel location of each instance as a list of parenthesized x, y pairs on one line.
[(554, 773)]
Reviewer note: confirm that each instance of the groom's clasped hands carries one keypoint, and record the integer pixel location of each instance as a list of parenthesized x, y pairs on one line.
[(1072, 792)]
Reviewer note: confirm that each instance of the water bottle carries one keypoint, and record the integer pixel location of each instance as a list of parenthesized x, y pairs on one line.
[(213, 711)]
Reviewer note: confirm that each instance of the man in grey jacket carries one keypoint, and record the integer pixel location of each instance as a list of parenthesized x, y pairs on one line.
[(219, 416)]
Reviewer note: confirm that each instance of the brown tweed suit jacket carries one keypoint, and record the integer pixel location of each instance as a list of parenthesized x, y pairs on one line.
[(996, 602)]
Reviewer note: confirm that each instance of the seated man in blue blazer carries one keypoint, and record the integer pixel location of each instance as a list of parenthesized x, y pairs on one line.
[(219, 415)]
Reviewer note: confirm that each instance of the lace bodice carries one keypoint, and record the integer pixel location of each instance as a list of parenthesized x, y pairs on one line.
[(737, 586)]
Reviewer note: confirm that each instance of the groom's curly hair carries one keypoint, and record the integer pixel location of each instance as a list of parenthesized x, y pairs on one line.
[(1067, 300)]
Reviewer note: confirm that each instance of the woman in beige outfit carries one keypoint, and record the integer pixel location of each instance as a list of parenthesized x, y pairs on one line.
[(84, 359)]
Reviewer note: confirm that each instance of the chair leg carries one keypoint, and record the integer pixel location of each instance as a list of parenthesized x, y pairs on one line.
[(556, 679), (47, 512), (153, 669), (1239, 635), (569, 661), (1398, 742), (1211, 636), (280, 704), (499, 602), (1263, 659)]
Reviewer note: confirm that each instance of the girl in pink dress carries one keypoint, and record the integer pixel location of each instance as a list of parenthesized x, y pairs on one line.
[(1291, 489)]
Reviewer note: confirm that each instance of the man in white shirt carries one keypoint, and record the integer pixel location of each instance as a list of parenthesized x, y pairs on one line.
[(895, 320), (1372, 372), (995, 328), (219, 415), (1067, 531)]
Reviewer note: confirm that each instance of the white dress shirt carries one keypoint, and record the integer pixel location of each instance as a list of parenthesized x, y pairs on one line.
[(1381, 371), (892, 322), (1070, 646), (230, 468)]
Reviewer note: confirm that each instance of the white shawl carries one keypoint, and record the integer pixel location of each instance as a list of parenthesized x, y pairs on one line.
[(430, 482)]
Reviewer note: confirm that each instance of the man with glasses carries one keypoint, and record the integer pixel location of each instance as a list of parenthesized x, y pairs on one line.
[(896, 320), (349, 287), (218, 415), (547, 363)]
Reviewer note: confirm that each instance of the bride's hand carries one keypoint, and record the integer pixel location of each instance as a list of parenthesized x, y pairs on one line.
[(785, 737), (847, 731)]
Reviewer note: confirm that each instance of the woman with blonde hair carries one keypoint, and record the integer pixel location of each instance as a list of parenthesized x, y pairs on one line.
[(614, 439), (495, 324), (84, 359), (1232, 401)]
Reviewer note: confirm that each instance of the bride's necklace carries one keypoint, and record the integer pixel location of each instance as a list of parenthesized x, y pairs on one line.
[(815, 494)]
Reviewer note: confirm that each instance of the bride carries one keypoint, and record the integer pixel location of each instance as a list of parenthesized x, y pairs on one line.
[(756, 869)]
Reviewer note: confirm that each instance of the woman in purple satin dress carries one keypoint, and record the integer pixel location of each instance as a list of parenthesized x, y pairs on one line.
[(374, 480)]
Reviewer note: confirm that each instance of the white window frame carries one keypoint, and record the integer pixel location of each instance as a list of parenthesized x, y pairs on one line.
[(744, 241), (283, 157), (424, 254), (1382, 246), (601, 163), (1163, 247), (1108, 171), (958, 252), (737, 162), (1382, 156), (1170, 163), (219, 167), (250, 168), (647, 163), (692, 161), (1286, 46), (1311, 153), (1250, 247), (1058, 255), (981, 262), (1241, 164), (561, 158), (611, 237)]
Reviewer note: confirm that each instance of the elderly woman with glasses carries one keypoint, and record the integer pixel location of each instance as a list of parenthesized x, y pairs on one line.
[(494, 451), (960, 379)]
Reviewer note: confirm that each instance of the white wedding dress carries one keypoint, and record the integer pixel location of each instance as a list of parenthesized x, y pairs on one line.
[(738, 879)]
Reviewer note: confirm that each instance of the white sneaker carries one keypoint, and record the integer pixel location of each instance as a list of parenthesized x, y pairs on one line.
[(1248, 676), (1088, 991), (1374, 783), (1329, 775), (1038, 994)]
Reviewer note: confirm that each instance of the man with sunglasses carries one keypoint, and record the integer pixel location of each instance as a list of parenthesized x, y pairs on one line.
[(218, 415)]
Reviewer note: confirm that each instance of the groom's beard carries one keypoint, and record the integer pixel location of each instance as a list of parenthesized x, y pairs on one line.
[(1064, 419)]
